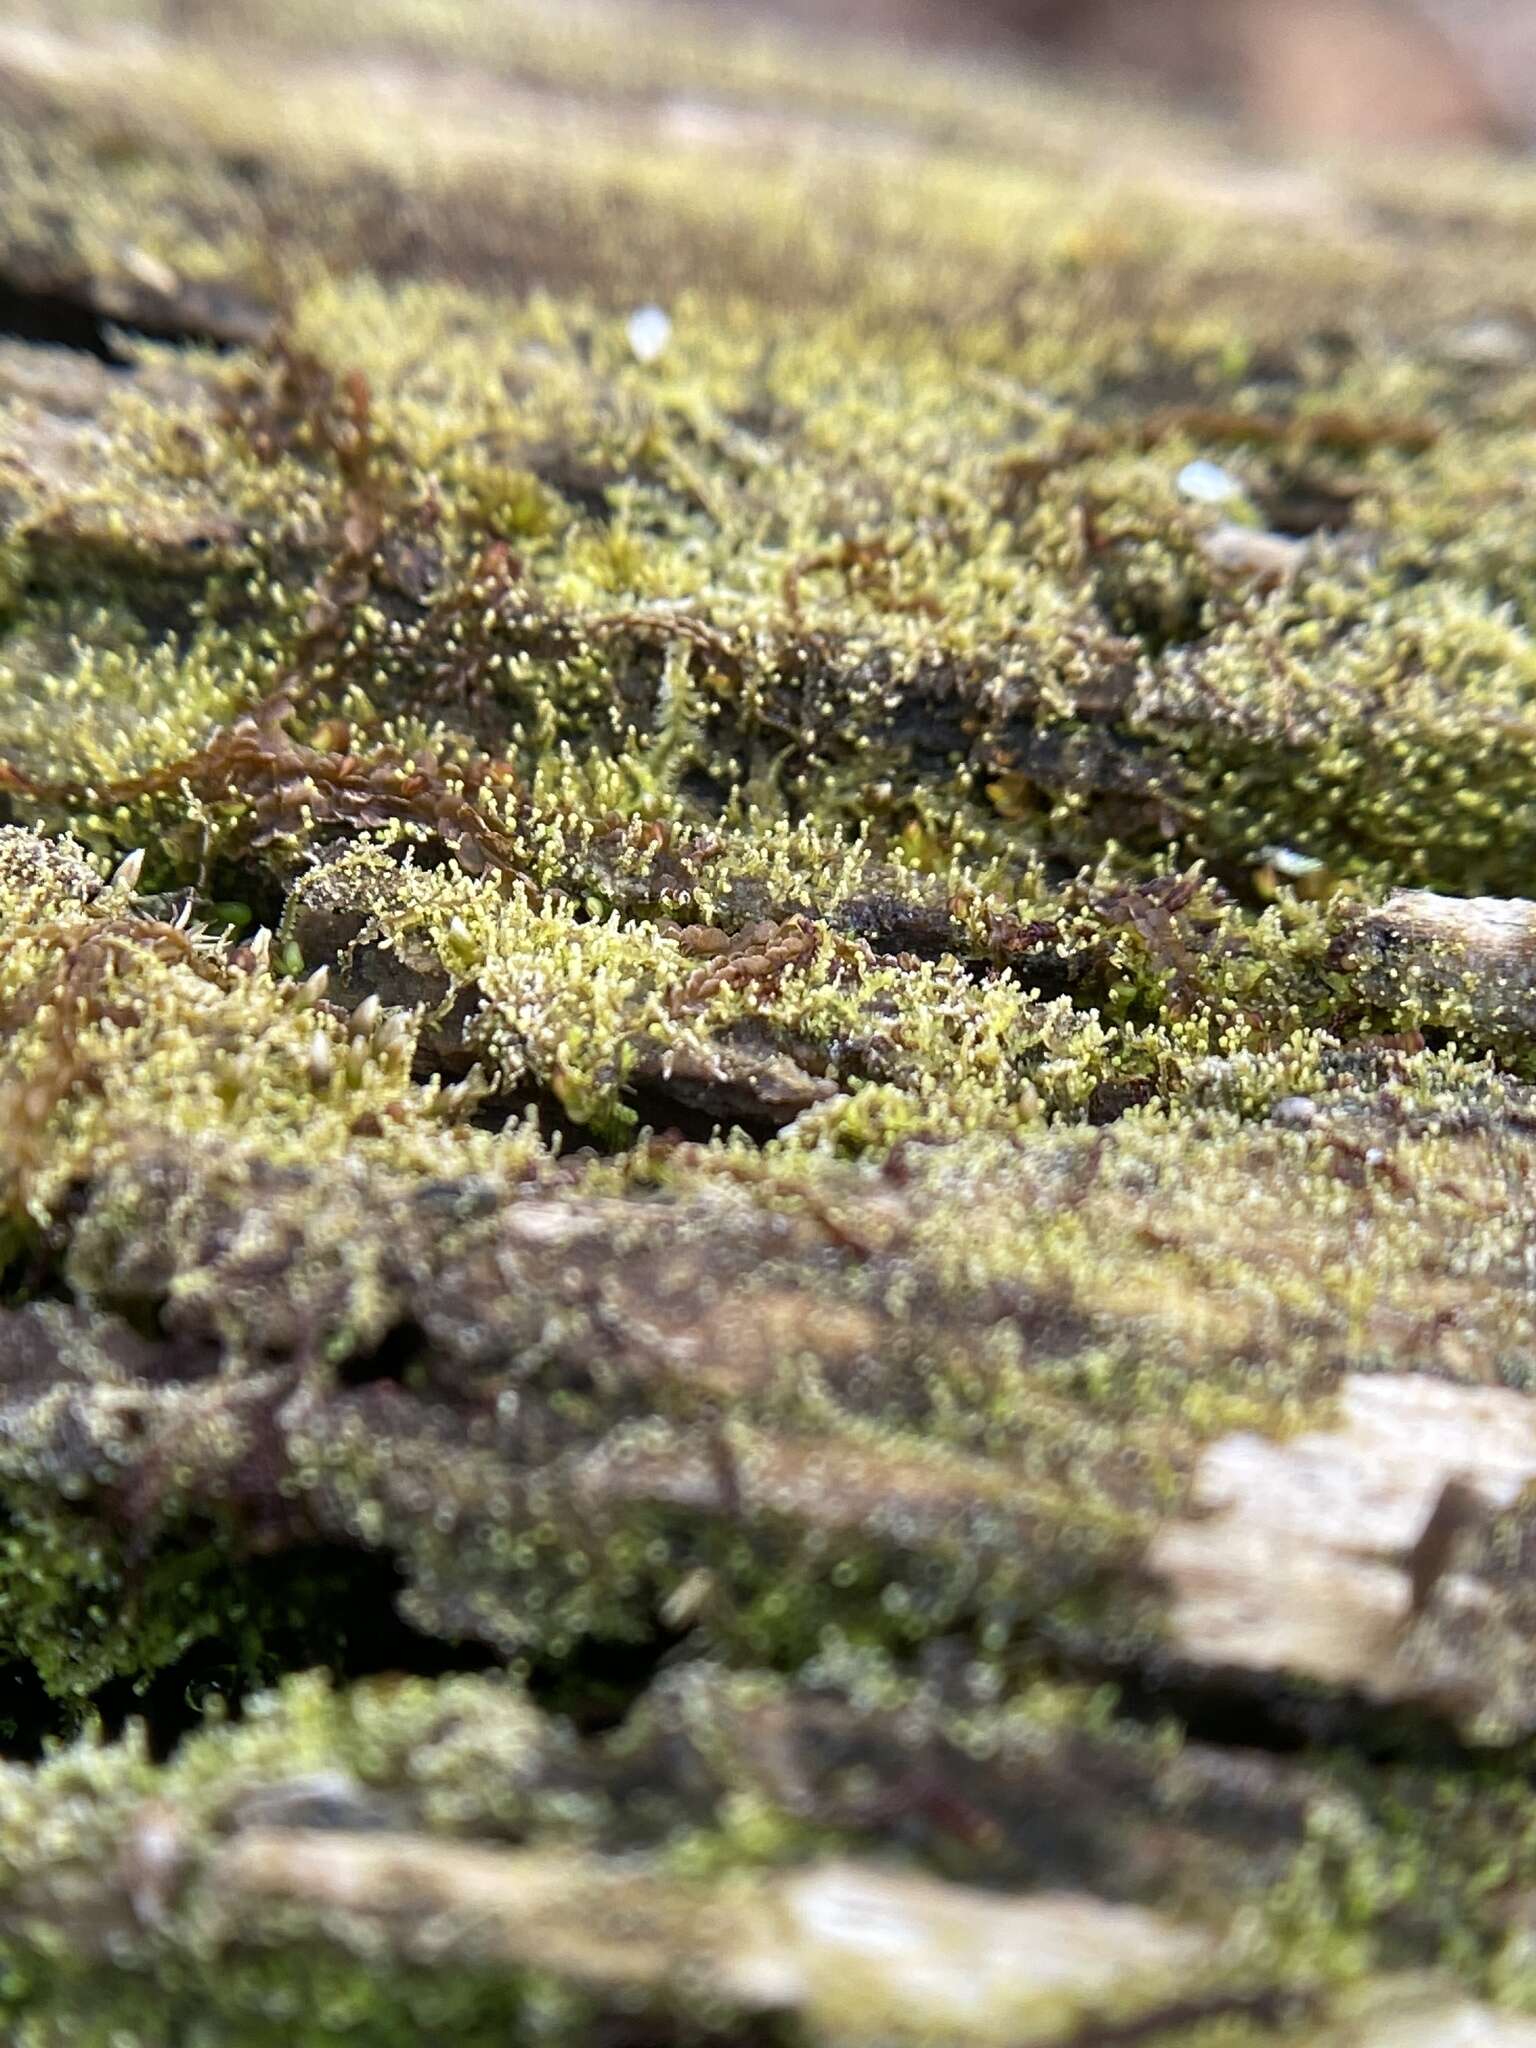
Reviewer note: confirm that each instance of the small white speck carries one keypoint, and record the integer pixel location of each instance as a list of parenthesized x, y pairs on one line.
[(1207, 483), (649, 329), (1294, 1112), (1288, 862)]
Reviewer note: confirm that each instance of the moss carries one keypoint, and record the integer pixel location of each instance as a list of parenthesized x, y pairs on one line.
[(739, 1785), (765, 1000)]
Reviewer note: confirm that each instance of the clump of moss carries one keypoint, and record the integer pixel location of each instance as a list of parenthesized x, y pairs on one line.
[(726, 1798), (738, 1005)]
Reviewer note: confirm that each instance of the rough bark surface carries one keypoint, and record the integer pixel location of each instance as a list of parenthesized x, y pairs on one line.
[(767, 1147)]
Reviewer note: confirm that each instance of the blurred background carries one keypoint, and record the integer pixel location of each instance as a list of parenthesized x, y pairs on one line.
[(1432, 73)]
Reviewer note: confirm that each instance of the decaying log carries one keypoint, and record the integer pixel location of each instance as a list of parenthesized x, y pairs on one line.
[(767, 1141)]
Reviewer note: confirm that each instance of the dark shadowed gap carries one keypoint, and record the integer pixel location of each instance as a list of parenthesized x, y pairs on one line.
[(1238, 1710), (318, 1607), (344, 1617), (596, 1685), (61, 318), (403, 1346), (1275, 2010), (57, 319), (659, 1117)]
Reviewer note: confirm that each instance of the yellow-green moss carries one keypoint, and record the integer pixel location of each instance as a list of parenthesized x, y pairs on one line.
[(760, 995)]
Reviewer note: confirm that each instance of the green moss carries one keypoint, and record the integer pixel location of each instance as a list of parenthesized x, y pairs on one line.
[(728, 1789), (761, 1000)]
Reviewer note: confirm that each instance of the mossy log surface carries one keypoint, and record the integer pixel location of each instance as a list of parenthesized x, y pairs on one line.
[(767, 1052)]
